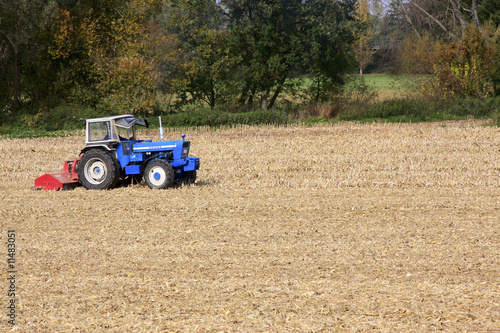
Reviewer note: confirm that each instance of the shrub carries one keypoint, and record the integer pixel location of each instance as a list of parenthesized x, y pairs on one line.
[(424, 110), (463, 68)]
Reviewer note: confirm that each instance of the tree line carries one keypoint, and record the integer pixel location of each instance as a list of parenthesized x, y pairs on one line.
[(123, 54), (141, 55)]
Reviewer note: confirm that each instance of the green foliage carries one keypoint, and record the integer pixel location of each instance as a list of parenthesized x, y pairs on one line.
[(201, 70), (25, 70), (489, 11), (89, 52), (119, 56), (239, 54), (66, 119), (424, 110), (495, 119), (42, 121), (128, 87), (328, 51), (463, 68), (495, 66)]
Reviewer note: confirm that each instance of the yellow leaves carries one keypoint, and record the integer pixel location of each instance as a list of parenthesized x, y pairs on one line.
[(363, 11), (362, 49), (62, 36), (118, 57), (128, 84), (463, 68)]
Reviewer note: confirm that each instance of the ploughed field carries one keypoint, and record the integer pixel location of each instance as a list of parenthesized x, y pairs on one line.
[(389, 227)]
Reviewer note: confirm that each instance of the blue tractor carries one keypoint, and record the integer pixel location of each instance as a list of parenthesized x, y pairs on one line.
[(113, 155)]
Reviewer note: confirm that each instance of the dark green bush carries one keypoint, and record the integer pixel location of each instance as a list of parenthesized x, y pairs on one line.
[(423, 110)]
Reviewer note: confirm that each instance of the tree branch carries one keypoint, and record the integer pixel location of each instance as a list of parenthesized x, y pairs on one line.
[(435, 20), (405, 13), (10, 40), (473, 9), (458, 14)]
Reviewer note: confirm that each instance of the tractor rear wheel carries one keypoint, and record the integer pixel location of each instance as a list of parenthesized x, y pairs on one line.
[(98, 170), (159, 174)]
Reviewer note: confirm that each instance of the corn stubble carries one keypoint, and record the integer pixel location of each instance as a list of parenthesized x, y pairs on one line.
[(388, 227)]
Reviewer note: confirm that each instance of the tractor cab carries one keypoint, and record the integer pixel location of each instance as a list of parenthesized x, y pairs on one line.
[(111, 130)]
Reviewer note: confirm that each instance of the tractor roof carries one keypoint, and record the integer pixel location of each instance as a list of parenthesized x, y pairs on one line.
[(111, 118), (125, 120)]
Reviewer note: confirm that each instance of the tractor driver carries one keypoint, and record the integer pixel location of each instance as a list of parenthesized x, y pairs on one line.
[(125, 134)]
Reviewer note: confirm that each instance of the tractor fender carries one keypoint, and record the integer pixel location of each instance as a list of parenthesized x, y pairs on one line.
[(99, 147), (146, 162), (108, 148)]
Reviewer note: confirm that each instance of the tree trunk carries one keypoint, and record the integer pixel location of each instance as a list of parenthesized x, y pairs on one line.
[(252, 94), (212, 99), (15, 100), (318, 90), (15, 44), (475, 18), (437, 21), (407, 17), (244, 94), (277, 92), (458, 14), (263, 101)]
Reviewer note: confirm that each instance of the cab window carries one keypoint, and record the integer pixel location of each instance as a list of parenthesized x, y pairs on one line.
[(126, 133), (99, 131)]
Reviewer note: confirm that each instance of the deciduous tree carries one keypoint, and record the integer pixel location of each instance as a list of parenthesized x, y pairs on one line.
[(272, 38), (24, 68), (362, 47)]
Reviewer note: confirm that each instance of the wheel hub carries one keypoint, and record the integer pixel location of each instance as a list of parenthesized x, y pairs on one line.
[(95, 171), (157, 176)]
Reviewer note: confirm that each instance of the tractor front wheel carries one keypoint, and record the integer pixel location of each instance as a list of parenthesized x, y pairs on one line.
[(159, 174), (98, 170)]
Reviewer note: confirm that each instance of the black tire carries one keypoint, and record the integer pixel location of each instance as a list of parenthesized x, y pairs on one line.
[(189, 178), (159, 174), (98, 170)]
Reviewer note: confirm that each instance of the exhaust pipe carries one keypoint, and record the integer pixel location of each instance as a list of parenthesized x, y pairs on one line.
[(161, 129)]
